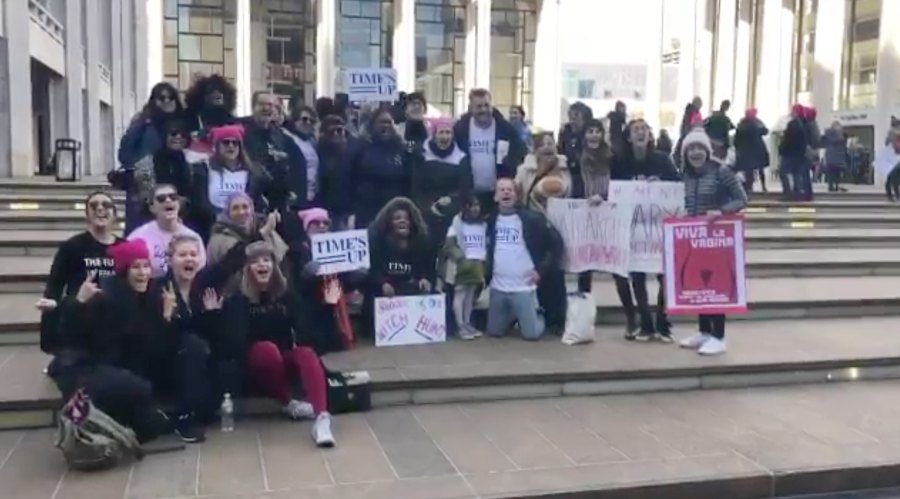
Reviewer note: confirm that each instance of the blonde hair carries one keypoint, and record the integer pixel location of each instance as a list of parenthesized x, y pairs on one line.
[(179, 239)]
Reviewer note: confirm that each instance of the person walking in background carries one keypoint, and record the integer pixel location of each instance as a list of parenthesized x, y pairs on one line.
[(618, 118), (664, 142), (751, 153), (492, 144), (517, 120), (572, 133), (710, 189), (793, 151), (836, 155), (718, 128), (692, 116)]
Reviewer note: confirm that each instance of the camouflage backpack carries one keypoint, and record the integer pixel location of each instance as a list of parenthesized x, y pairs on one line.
[(90, 439)]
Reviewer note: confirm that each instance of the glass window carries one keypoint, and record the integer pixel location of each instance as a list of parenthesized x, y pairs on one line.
[(440, 53), (290, 50), (860, 57), (804, 49), (364, 33), (198, 34), (585, 89), (513, 30)]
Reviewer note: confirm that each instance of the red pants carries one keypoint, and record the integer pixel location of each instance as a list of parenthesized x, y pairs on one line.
[(271, 371)]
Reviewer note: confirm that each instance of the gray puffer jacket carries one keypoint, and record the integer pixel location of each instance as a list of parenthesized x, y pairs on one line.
[(711, 187)]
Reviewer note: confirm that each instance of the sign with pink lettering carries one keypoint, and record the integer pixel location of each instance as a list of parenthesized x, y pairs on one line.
[(650, 203), (705, 265), (410, 320), (596, 237)]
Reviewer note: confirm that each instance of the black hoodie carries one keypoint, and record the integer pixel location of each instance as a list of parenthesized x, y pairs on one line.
[(655, 164)]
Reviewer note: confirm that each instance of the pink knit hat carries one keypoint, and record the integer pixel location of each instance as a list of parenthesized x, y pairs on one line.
[(234, 132), (127, 252), (441, 123), (312, 215)]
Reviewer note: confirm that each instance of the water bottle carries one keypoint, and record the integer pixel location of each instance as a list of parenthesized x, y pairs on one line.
[(226, 412)]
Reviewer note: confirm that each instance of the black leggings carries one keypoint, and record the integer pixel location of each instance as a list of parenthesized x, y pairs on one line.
[(713, 325), (638, 283)]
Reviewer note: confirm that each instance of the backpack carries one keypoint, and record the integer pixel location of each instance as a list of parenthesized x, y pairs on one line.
[(90, 439)]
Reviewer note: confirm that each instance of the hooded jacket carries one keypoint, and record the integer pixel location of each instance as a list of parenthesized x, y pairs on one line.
[(380, 170), (750, 147), (530, 183), (402, 268), (435, 176), (835, 144), (504, 132), (225, 251)]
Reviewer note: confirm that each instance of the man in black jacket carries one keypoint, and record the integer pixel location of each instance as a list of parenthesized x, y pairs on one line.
[(524, 253), (494, 147)]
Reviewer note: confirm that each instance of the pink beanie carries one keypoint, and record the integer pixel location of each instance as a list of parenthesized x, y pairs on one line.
[(234, 132), (127, 252), (311, 215), (441, 123)]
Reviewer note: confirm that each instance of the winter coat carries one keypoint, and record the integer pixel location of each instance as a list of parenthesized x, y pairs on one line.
[(718, 126), (571, 142), (202, 210), (524, 132), (142, 138), (795, 140), (544, 243), (750, 147), (434, 177), (414, 135), (380, 170), (279, 319), (226, 251), (504, 132), (835, 144), (334, 190), (531, 184), (288, 175), (655, 164), (712, 187)]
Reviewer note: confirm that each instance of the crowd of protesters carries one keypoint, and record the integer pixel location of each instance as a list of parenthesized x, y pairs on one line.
[(214, 289)]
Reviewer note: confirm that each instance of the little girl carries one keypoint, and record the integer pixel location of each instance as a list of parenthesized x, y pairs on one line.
[(466, 252)]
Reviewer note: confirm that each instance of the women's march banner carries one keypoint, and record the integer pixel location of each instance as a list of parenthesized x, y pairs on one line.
[(704, 265), (650, 203), (410, 320), (596, 237)]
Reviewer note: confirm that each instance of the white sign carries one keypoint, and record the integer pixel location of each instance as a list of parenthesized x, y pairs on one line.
[(371, 84), (596, 237), (651, 203), (410, 320), (339, 252)]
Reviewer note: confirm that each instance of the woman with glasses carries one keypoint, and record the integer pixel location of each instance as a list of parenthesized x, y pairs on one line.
[(228, 171), (304, 174), (334, 194), (159, 232)]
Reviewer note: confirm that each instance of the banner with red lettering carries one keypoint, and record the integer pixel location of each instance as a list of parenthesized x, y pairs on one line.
[(649, 203), (410, 320), (704, 265), (596, 237)]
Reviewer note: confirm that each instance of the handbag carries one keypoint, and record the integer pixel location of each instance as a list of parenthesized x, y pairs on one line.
[(348, 391)]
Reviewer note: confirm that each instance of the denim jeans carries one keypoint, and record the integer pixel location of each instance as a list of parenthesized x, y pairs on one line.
[(522, 306)]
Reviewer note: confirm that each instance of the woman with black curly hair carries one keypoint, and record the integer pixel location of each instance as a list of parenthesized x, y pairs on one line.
[(210, 103)]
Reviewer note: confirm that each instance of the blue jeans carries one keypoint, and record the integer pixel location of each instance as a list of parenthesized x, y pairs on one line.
[(521, 306)]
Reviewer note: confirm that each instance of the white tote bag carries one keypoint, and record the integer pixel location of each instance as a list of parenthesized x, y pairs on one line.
[(581, 314)]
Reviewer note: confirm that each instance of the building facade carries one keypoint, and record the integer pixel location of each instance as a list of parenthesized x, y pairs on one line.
[(68, 69)]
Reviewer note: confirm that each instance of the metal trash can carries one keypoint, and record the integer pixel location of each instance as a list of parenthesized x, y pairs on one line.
[(67, 160)]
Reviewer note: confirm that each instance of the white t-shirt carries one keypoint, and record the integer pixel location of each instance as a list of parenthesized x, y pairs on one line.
[(512, 262), (158, 243), (482, 156), (224, 183), (308, 149), (470, 237)]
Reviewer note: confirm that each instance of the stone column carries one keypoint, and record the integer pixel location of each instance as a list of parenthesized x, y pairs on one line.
[(742, 57), (703, 56), (725, 53), (483, 43), (687, 63), (404, 44), (547, 68), (653, 90), (117, 66), (773, 93), (152, 15), (93, 154), (887, 79), (326, 53), (75, 77), (471, 67), (243, 58), (826, 72), (16, 128)]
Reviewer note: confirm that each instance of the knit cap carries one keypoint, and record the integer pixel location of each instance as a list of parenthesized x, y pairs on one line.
[(127, 252), (234, 132), (258, 249), (313, 215), (696, 136)]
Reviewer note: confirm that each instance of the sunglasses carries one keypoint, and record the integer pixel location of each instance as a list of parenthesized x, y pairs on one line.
[(230, 142), (96, 205), (165, 97), (162, 198), (307, 119), (182, 135)]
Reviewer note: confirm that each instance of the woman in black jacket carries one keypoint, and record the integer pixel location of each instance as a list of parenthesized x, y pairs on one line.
[(265, 325), (751, 154), (130, 348)]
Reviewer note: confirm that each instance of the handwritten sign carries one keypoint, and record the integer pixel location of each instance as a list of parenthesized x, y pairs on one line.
[(339, 252), (596, 237), (650, 203), (371, 84), (410, 320), (705, 266)]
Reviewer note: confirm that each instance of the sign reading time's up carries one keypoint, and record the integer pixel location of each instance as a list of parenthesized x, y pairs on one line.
[(371, 84)]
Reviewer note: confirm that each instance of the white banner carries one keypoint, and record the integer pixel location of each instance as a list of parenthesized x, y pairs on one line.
[(596, 237), (339, 252), (410, 320), (651, 203), (371, 84)]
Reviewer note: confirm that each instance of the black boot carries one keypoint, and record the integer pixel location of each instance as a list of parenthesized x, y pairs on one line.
[(631, 327)]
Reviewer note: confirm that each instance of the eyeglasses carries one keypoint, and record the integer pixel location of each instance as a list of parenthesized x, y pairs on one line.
[(96, 205), (162, 198), (230, 142)]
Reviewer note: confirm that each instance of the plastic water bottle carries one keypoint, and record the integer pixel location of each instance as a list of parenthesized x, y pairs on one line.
[(226, 412)]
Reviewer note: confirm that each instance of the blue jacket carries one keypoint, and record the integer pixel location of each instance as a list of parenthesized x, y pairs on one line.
[(141, 139), (379, 172)]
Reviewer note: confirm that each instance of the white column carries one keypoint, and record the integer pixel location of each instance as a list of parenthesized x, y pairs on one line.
[(687, 63), (703, 56), (15, 82), (483, 43), (773, 93), (92, 153), (404, 44), (152, 14), (242, 56), (74, 77), (829, 44), (547, 69), (887, 79), (471, 66), (742, 57), (135, 84), (326, 53), (725, 52), (117, 65), (653, 91)]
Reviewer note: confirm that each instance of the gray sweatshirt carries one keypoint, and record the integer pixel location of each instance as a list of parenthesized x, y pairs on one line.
[(713, 186)]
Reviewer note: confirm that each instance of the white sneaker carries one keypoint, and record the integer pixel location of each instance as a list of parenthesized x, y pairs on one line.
[(713, 346), (321, 431), (297, 409), (694, 342)]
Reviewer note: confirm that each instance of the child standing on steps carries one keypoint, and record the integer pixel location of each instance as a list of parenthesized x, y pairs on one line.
[(465, 250)]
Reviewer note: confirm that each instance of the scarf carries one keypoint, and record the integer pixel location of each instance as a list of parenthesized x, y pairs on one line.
[(595, 171), (437, 151)]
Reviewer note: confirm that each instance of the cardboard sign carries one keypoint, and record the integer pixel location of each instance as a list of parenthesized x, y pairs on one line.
[(596, 237), (339, 252), (371, 84), (705, 262), (410, 320), (651, 203)]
